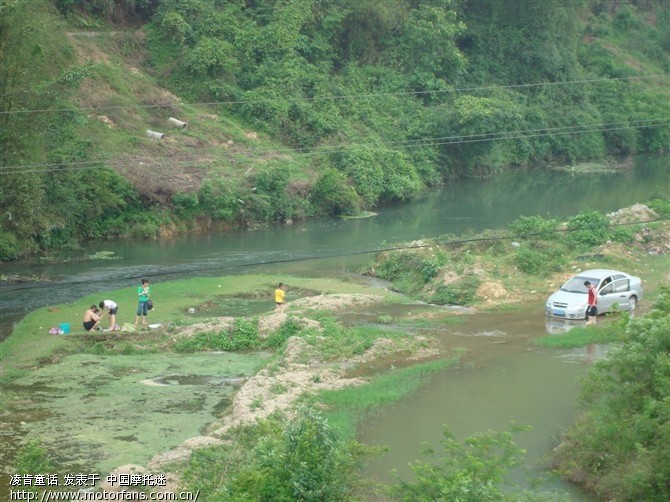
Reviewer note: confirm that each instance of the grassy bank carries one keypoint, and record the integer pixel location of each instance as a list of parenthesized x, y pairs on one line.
[(347, 408), (172, 303), (579, 336)]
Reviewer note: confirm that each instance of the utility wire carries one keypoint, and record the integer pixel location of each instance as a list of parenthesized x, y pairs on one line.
[(408, 144), (335, 98), (321, 256)]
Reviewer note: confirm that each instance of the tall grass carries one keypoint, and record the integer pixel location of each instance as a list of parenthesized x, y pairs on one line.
[(349, 406), (579, 336)]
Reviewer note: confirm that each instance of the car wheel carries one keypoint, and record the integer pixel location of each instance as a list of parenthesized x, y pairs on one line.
[(632, 303)]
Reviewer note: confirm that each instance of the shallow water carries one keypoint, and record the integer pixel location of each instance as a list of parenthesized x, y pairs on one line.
[(503, 378)]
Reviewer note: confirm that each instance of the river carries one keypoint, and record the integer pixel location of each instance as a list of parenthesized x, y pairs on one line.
[(463, 206), (507, 380)]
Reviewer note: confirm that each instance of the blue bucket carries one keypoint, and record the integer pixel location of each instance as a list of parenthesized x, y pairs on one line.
[(65, 328)]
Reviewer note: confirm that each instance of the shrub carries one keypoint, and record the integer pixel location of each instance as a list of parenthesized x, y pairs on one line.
[(218, 199), (407, 270), (289, 328), (588, 228), (143, 225), (539, 257), (535, 227), (243, 335), (186, 204), (174, 27), (9, 246), (333, 195), (622, 234), (661, 206), (430, 269), (270, 199), (363, 167), (462, 292), (401, 181), (471, 470), (305, 460), (32, 459), (431, 266), (211, 57), (529, 260), (395, 264)]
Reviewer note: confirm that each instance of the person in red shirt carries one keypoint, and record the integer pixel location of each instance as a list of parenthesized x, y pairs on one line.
[(592, 309)]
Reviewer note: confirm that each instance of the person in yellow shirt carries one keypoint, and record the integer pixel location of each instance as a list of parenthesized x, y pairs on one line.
[(279, 297)]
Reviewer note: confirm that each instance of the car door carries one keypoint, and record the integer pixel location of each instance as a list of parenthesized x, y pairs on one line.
[(621, 292), (614, 290), (606, 296)]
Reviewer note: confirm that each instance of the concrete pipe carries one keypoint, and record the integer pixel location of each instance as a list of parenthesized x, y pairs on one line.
[(154, 134), (177, 123)]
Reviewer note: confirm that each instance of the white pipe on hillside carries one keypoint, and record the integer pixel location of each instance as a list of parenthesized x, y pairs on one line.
[(154, 134), (177, 123)]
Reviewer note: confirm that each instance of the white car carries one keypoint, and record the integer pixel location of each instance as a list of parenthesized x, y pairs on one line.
[(614, 288)]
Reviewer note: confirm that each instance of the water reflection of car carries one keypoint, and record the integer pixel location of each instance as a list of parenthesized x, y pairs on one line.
[(614, 288), (560, 325)]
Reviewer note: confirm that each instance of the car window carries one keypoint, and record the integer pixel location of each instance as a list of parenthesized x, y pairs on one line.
[(618, 276), (607, 289), (622, 285), (576, 284), (606, 286)]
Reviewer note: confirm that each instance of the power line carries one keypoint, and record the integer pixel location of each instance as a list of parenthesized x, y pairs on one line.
[(321, 256), (335, 98), (485, 136), (408, 144)]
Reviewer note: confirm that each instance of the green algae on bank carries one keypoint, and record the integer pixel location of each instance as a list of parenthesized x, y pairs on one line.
[(99, 410), (105, 411)]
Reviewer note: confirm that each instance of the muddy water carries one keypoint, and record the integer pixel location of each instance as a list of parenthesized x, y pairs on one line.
[(503, 379)]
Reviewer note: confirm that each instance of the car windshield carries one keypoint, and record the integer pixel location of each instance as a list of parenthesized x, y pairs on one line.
[(576, 284)]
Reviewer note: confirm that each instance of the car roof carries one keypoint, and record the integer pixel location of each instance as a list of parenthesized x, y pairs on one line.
[(600, 273)]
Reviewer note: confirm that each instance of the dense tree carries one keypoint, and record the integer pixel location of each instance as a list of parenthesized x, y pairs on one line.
[(393, 95)]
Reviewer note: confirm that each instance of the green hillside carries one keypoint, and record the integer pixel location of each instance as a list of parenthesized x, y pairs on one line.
[(303, 107)]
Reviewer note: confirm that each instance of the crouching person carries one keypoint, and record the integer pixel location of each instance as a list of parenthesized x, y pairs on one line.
[(92, 319)]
